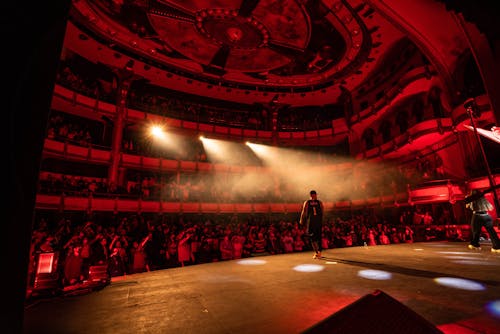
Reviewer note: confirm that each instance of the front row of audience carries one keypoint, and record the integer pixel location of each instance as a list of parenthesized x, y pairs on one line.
[(139, 243)]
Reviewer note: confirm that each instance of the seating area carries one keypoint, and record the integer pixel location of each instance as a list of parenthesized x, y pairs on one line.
[(178, 141)]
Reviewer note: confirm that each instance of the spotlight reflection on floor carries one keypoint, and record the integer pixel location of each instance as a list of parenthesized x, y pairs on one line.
[(494, 308), (460, 253), (470, 259), (461, 257), (308, 268), (474, 262), (459, 283), (251, 262), (378, 275)]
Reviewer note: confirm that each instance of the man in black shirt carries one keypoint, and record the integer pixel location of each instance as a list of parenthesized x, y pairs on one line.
[(480, 206), (312, 216)]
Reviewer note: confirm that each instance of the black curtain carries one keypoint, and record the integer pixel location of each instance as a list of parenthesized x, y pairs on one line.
[(33, 35)]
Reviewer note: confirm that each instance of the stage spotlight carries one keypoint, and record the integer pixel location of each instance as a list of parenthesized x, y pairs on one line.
[(211, 146), (219, 150), (259, 149), (157, 131)]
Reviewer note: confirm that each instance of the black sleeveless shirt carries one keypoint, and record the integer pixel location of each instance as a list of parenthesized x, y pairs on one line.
[(314, 211)]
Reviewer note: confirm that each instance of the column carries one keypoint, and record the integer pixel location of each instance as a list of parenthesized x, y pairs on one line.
[(125, 77)]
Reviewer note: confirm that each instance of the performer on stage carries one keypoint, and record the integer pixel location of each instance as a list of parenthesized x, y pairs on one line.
[(312, 216), (480, 217)]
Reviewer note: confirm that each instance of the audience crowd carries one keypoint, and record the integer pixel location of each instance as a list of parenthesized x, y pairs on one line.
[(134, 243), (94, 81)]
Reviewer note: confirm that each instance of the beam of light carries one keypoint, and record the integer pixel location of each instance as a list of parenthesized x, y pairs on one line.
[(166, 142), (493, 308), (308, 268), (459, 283), (336, 178), (228, 152), (378, 275), (492, 135), (251, 262), (258, 148)]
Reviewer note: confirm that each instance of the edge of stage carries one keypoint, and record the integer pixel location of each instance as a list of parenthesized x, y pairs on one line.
[(454, 289)]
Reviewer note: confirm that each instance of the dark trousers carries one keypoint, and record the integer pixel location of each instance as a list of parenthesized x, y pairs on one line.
[(477, 222), (314, 231)]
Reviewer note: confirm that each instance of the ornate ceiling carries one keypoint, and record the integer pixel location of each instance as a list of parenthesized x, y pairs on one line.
[(301, 52)]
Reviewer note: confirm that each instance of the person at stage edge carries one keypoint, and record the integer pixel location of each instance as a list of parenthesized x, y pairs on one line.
[(312, 216), (480, 217)]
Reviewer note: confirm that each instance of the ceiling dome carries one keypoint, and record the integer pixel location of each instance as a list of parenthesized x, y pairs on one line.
[(309, 52)]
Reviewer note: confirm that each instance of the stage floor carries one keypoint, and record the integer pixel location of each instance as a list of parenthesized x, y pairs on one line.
[(455, 289)]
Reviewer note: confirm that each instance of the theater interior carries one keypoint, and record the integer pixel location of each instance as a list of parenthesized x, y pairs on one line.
[(232, 111)]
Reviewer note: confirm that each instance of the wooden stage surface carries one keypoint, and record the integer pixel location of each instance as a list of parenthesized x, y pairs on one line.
[(455, 289)]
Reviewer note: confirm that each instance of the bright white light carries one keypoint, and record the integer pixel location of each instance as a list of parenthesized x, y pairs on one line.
[(210, 144), (378, 275), (251, 262), (157, 131), (308, 268), (494, 308), (418, 249), (331, 262), (459, 283), (258, 148), (225, 151)]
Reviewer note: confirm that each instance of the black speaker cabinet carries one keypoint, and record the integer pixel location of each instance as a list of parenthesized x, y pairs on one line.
[(375, 313)]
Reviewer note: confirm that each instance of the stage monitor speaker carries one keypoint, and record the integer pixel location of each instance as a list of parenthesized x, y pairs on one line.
[(375, 313)]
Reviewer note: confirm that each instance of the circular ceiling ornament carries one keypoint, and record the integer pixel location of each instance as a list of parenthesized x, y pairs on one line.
[(263, 44), (247, 39), (227, 28)]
